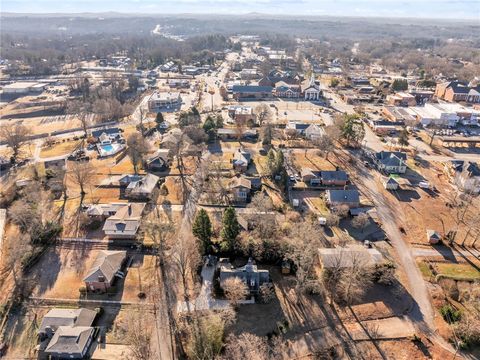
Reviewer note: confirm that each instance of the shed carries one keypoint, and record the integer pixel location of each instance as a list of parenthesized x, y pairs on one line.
[(433, 237), (390, 183)]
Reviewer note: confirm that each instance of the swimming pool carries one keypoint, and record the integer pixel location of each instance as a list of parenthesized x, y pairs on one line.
[(109, 149)]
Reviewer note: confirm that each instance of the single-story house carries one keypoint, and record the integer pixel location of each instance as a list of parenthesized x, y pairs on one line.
[(70, 342), (351, 198), (65, 317), (314, 132), (113, 133), (391, 162), (124, 224), (241, 160), (298, 126), (230, 133), (102, 211), (139, 187), (334, 178), (160, 161), (101, 275), (347, 257), (250, 274), (67, 331), (311, 177), (240, 188)]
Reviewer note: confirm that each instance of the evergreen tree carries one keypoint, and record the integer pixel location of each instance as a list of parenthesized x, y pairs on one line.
[(271, 162), (159, 119), (202, 230), (230, 227), (400, 84), (279, 162), (403, 137), (352, 129)]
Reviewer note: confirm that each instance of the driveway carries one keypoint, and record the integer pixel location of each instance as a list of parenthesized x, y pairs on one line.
[(204, 301)]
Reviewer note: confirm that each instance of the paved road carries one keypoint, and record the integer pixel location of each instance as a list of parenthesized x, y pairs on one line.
[(445, 252)]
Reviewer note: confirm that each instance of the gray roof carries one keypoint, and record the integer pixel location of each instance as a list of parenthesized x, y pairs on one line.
[(345, 257), (144, 186), (391, 158), (71, 340), (241, 157), (343, 196), (249, 273), (126, 220), (251, 88), (67, 317), (107, 263), (339, 175)]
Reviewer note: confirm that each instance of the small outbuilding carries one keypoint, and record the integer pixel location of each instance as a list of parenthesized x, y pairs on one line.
[(433, 237), (390, 183)]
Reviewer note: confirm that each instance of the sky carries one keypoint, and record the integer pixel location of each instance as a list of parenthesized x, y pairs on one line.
[(451, 9)]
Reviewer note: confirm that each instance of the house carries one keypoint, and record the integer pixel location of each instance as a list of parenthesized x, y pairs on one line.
[(298, 126), (65, 317), (348, 257), (311, 90), (251, 92), (124, 224), (433, 237), (105, 268), (241, 160), (334, 178), (313, 132), (233, 134), (350, 198), (67, 331), (248, 74), (70, 342), (101, 211), (284, 90), (391, 162), (111, 134), (390, 183), (310, 177), (465, 175), (159, 162), (401, 99), (249, 274), (241, 113), (139, 187), (162, 101), (454, 91), (240, 188)]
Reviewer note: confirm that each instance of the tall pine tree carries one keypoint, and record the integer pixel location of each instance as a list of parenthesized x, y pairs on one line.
[(202, 230), (230, 227)]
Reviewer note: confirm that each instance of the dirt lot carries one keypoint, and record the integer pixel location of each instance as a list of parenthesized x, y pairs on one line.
[(63, 148)]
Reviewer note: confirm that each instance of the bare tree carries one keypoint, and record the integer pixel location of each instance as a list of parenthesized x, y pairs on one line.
[(160, 231), (186, 258), (246, 346), (324, 144), (137, 148), (303, 242), (235, 290), (263, 113), (81, 173), (361, 221), (138, 335), (15, 136)]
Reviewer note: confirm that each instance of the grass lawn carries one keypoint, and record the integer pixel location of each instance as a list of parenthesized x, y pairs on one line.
[(59, 149), (425, 270), (458, 271), (311, 161), (320, 205)]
